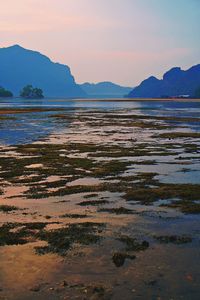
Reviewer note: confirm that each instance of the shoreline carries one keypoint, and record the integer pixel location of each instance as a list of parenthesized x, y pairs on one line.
[(107, 99), (130, 100)]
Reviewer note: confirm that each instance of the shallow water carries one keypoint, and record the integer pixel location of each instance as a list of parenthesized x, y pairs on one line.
[(33, 126), (71, 162)]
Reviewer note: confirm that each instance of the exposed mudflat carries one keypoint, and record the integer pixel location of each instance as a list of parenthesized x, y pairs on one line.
[(99, 200)]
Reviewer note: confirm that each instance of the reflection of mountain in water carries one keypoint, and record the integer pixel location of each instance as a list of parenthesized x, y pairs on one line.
[(173, 109), (29, 127)]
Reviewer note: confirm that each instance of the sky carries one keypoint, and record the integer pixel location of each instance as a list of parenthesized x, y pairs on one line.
[(124, 41)]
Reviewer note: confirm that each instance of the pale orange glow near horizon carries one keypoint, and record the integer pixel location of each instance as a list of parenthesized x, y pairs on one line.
[(123, 41)]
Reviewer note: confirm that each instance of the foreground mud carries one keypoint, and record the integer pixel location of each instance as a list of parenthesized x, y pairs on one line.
[(103, 205)]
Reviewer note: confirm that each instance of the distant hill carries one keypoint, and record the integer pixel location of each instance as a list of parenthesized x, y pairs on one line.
[(19, 67), (105, 90), (175, 82)]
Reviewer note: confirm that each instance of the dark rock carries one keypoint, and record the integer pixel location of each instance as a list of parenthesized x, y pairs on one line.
[(35, 288), (119, 258)]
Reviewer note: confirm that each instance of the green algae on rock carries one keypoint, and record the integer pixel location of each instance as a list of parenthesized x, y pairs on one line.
[(8, 208), (117, 211), (175, 239), (62, 239)]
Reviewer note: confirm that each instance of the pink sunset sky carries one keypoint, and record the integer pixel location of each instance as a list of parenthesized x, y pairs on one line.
[(123, 41)]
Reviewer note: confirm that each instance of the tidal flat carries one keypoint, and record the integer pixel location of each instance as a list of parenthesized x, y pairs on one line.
[(99, 199)]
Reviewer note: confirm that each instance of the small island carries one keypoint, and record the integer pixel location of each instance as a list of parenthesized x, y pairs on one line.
[(5, 93), (29, 92), (197, 93)]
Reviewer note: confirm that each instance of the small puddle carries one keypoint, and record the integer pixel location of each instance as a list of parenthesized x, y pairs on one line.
[(85, 181), (34, 166)]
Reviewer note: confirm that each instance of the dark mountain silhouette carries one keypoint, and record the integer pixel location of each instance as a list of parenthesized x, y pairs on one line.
[(175, 82), (105, 90), (19, 67)]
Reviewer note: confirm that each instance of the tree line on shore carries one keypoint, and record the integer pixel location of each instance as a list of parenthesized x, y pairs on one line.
[(28, 92)]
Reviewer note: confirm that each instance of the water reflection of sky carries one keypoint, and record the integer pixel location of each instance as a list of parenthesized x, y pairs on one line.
[(28, 127), (187, 107)]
